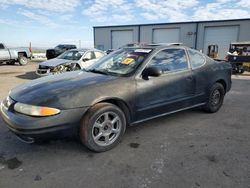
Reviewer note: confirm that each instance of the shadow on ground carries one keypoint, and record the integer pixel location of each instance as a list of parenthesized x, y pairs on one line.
[(28, 76), (245, 74), (5, 64)]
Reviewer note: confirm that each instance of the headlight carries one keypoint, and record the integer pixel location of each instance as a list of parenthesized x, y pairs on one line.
[(35, 110)]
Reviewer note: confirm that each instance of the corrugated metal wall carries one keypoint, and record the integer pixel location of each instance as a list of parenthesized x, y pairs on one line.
[(192, 34)]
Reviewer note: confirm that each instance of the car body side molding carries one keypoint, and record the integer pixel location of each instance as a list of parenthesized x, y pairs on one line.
[(164, 114)]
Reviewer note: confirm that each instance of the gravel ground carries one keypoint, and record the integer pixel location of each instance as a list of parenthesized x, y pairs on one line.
[(186, 149)]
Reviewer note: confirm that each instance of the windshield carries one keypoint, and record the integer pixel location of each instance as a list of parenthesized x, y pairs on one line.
[(121, 62), (71, 55)]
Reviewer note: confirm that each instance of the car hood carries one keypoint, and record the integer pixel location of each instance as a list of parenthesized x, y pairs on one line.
[(54, 62), (59, 90)]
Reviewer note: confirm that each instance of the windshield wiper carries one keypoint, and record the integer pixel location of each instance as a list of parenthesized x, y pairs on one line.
[(99, 71)]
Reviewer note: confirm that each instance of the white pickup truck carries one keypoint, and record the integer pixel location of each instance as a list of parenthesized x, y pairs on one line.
[(13, 55)]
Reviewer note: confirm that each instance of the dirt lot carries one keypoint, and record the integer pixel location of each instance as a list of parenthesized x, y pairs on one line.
[(187, 149)]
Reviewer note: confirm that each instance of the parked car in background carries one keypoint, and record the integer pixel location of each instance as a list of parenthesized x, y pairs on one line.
[(70, 60), (128, 86), (59, 49), (13, 55)]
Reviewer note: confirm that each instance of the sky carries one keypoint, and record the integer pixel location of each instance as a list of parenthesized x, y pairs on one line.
[(46, 23)]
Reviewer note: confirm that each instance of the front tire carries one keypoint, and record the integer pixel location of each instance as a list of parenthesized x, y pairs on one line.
[(102, 128), (241, 71), (75, 67), (215, 99)]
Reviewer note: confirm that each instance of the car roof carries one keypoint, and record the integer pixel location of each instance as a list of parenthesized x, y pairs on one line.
[(156, 46), (66, 45), (84, 49), (165, 44)]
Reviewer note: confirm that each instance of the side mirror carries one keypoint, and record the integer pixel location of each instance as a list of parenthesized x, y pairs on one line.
[(85, 59), (151, 71)]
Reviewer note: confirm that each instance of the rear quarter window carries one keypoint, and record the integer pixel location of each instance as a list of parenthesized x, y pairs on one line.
[(196, 58)]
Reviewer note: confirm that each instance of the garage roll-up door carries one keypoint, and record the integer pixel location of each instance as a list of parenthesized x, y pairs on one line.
[(120, 38), (222, 36), (166, 35)]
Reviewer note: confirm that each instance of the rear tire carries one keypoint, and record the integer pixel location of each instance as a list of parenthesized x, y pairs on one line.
[(102, 128), (215, 99), (22, 59)]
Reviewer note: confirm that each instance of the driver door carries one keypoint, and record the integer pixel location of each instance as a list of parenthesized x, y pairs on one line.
[(171, 91)]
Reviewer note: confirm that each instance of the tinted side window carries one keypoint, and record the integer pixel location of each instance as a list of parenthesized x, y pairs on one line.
[(98, 54), (170, 60), (196, 59)]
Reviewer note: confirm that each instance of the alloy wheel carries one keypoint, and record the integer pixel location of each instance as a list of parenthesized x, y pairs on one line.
[(106, 129), (216, 96)]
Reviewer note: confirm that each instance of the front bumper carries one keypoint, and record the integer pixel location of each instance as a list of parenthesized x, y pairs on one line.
[(64, 124)]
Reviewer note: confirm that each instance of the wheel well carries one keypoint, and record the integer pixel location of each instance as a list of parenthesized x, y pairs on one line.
[(22, 54), (78, 65), (122, 105), (223, 83)]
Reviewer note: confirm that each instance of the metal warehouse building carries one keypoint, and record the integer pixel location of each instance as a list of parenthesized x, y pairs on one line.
[(196, 35)]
